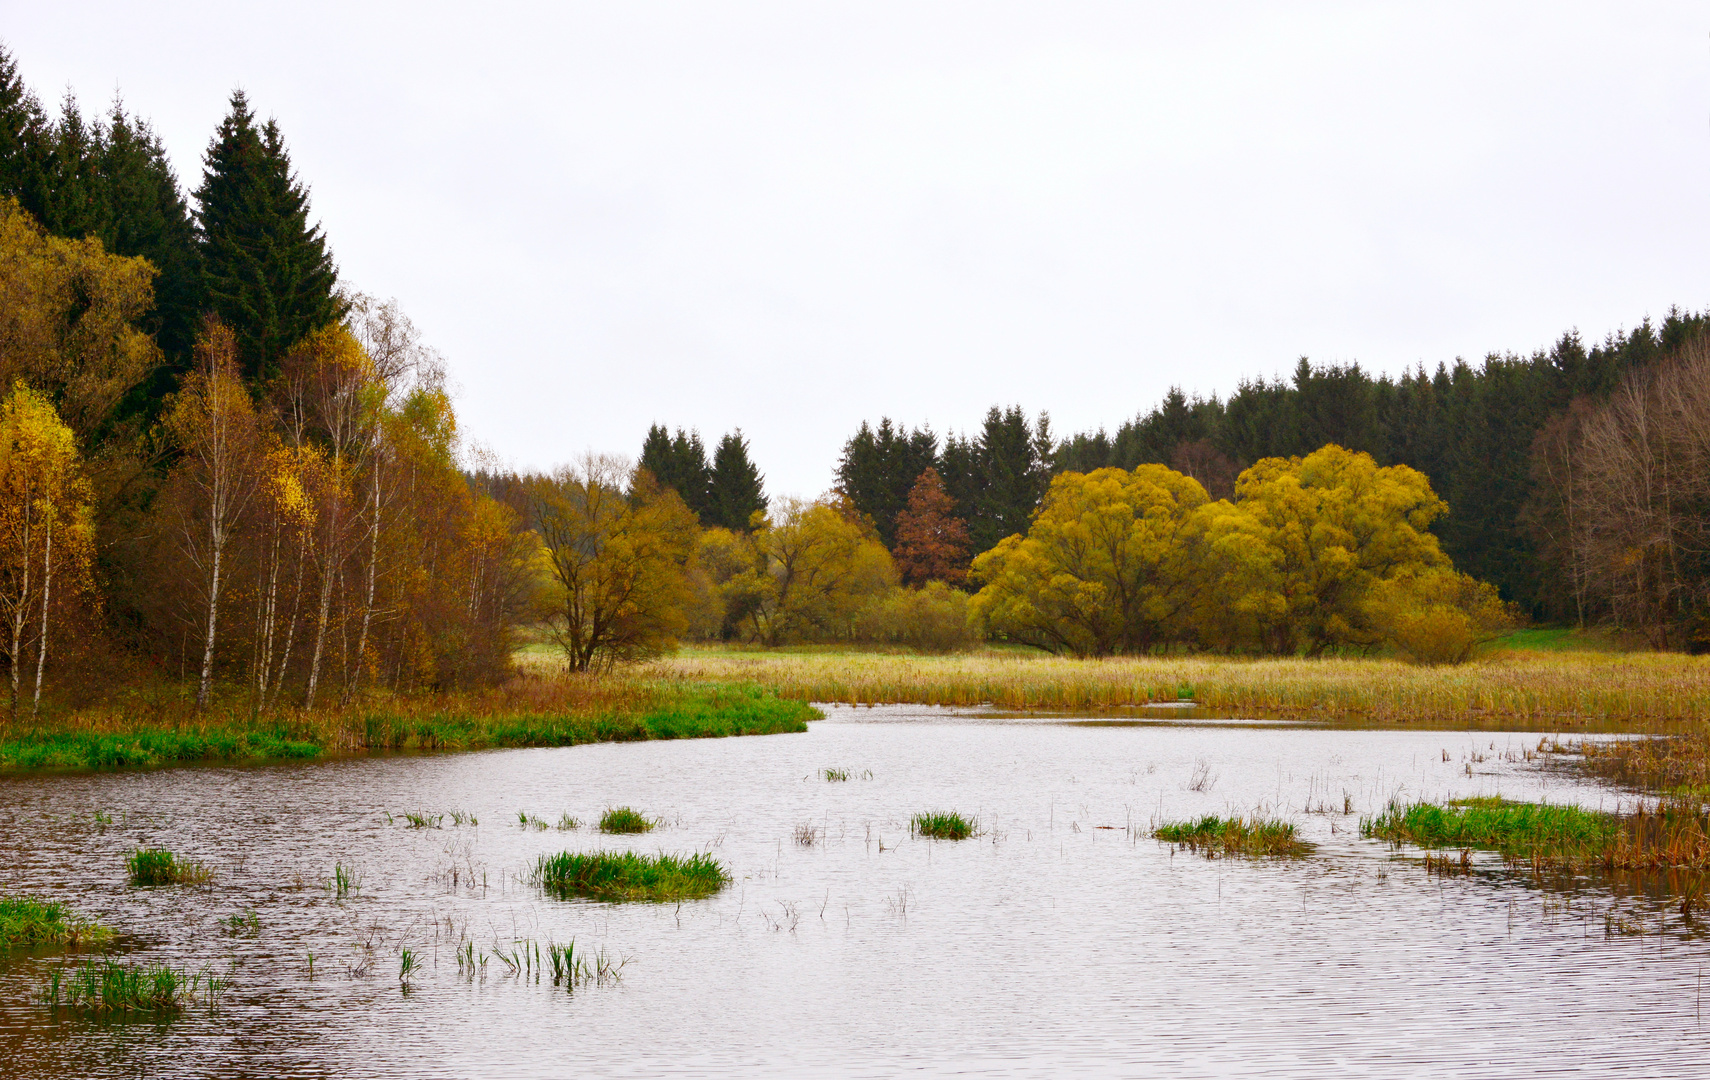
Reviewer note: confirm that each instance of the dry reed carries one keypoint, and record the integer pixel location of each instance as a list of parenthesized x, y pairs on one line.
[(1542, 687)]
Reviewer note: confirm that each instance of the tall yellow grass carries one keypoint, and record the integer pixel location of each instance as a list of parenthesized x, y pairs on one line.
[(1547, 687)]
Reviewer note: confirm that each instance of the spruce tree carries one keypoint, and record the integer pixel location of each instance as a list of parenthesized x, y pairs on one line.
[(737, 490), (24, 138), (680, 464), (879, 469), (265, 270)]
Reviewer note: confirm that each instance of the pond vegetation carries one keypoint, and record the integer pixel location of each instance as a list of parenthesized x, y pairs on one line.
[(157, 866), (27, 921), (1669, 833), (610, 875), (107, 986), (1213, 836), (624, 819), (943, 825)]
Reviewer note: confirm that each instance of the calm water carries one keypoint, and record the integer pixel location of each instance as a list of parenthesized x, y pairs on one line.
[(1059, 942)]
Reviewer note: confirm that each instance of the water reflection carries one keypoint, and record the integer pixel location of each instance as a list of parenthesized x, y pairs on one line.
[(1058, 941)]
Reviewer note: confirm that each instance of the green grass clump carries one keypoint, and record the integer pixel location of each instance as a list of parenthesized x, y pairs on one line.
[(943, 826), (836, 775), (1523, 829), (157, 866), (624, 819), (567, 823), (105, 987), (609, 875), (27, 921), (422, 820), (1212, 836)]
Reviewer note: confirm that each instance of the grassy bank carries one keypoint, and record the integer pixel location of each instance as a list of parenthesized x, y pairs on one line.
[(1655, 837), (1550, 688), (542, 711)]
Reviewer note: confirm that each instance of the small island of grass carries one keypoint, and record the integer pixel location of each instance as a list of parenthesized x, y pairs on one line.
[(619, 876)]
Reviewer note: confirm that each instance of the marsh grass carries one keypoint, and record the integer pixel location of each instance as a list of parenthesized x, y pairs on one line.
[(1504, 686), (157, 866), (345, 880), (625, 819), (463, 817), (836, 776), (615, 876), (1666, 834), (241, 924), (1214, 836), (527, 820), (943, 825), (26, 921), (110, 987), (531, 710), (566, 823), (422, 820)]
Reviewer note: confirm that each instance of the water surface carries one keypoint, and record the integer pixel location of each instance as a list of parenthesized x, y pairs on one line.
[(1059, 942)]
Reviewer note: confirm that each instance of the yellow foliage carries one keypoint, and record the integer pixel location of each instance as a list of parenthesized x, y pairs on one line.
[(931, 619), (1436, 615), (1108, 566), (814, 569), (67, 310)]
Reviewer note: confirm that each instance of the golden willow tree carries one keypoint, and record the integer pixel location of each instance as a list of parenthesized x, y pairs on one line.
[(1317, 553), (618, 547), (45, 529)]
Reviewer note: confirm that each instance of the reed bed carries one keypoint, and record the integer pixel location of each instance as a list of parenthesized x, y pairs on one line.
[(157, 866), (107, 987), (1668, 834), (1545, 687), (26, 921), (533, 710), (616, 876), (943, 825), (1213, 836)]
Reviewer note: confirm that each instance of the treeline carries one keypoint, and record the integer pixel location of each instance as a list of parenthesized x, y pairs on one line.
[(218, 463), (1474, 430)]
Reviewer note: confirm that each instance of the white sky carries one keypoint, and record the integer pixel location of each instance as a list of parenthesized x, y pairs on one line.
[(790, 217)]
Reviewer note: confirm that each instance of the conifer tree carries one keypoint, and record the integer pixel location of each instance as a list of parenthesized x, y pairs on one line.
[(679, 463), (932, 542), (879, 468), (24, 138), (266, 271), (737, 490)]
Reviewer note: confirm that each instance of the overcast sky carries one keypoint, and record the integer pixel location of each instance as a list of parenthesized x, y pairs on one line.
[(791, 217)]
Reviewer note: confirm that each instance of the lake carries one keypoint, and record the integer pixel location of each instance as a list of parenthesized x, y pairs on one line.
[(1059, 941)]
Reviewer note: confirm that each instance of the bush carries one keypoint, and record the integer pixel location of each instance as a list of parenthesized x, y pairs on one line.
[(930, 619), (1438, 616)]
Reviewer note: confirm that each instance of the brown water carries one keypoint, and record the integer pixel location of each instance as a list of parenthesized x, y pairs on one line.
[(1060, 942)]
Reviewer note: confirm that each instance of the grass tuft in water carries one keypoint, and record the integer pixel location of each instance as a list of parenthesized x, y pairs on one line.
[(345, 880), (836, 776), (157, 866), (526, 820), (611, 875), (463, 817), (624, 819), (567, 823), (241, 924), (1212, 836), (943, 825), (422, 820), (27, 921), (106, 987)]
